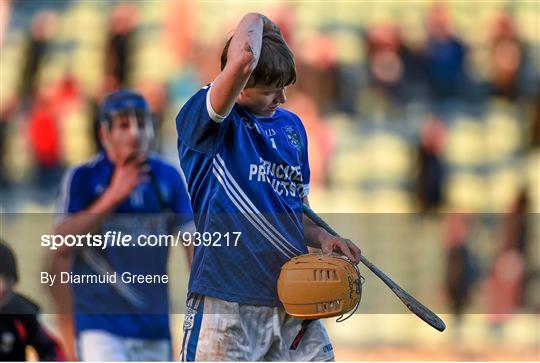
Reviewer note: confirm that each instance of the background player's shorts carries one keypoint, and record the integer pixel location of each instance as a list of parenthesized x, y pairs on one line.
[(99, 345), (218, 330)]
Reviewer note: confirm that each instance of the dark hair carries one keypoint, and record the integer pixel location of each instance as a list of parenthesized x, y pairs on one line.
[(8, 263), (276, 63)]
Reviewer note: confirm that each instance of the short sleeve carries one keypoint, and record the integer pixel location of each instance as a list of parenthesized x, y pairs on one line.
[(195, 127)]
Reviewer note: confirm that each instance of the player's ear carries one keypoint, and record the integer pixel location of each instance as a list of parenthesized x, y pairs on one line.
[(105, 135), (241, 96)]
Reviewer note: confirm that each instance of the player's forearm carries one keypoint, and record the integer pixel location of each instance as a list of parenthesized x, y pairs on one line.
[(189, 250), (242, 58), (89, 220), (313, 234)]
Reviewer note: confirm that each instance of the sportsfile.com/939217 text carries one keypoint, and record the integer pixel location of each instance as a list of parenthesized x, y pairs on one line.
[(122, 239)]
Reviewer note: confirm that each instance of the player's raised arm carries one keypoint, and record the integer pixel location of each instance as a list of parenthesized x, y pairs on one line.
[(242, 55)]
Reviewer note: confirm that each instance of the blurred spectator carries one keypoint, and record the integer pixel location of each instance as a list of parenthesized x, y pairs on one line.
[(69, 104), (119, 48), (317, 64), (179, 29), (514, 232), (205, 61), (67, 95), (348, 83), (383, 59), (431, 174), (445, 56), (414, 83), (156, 94), (41, 30), (461, 269), (19, 324), (5, 12), (45, 141), (320, 135), (505, 282), (502, 287), (507, 59), (7, 109)]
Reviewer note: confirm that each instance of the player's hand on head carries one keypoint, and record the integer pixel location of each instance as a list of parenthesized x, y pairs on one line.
[(244, 49), (129, 173), (249, 58), (341, 246)]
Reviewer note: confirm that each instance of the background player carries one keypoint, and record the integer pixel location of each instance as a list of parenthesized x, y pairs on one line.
[(245, 161), (118, 322), (19, 324)]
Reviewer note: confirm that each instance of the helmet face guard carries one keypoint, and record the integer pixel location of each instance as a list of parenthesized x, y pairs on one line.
[(139, 119), (125, 105)]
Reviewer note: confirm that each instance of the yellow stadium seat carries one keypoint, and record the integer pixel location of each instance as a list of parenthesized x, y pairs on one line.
[(338, 200), (87, 65), (503, 136), (76, 131), (11, 62), (19, 161), (526, 20), (389, 158), (465, 146), (466, 191), (350, 50), (348, 168), (503, 187), (388, 200)]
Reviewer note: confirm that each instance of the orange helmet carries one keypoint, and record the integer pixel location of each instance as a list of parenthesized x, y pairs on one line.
[(314, 286)]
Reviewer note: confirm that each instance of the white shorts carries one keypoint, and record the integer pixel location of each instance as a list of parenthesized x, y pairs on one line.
[(218, 330), (99, 345)]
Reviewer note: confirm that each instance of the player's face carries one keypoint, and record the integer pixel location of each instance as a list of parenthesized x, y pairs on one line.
[(262, 100), (6, 289), (130, 132)]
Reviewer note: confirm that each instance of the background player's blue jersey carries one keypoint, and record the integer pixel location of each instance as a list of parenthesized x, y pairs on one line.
[(129, 310), (246, 174)]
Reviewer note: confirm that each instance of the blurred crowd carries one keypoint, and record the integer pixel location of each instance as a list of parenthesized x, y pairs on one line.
[(366, 72), (455, 105)]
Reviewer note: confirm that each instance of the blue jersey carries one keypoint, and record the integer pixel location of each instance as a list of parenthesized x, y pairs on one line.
[(130, 310), (246, 174)]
